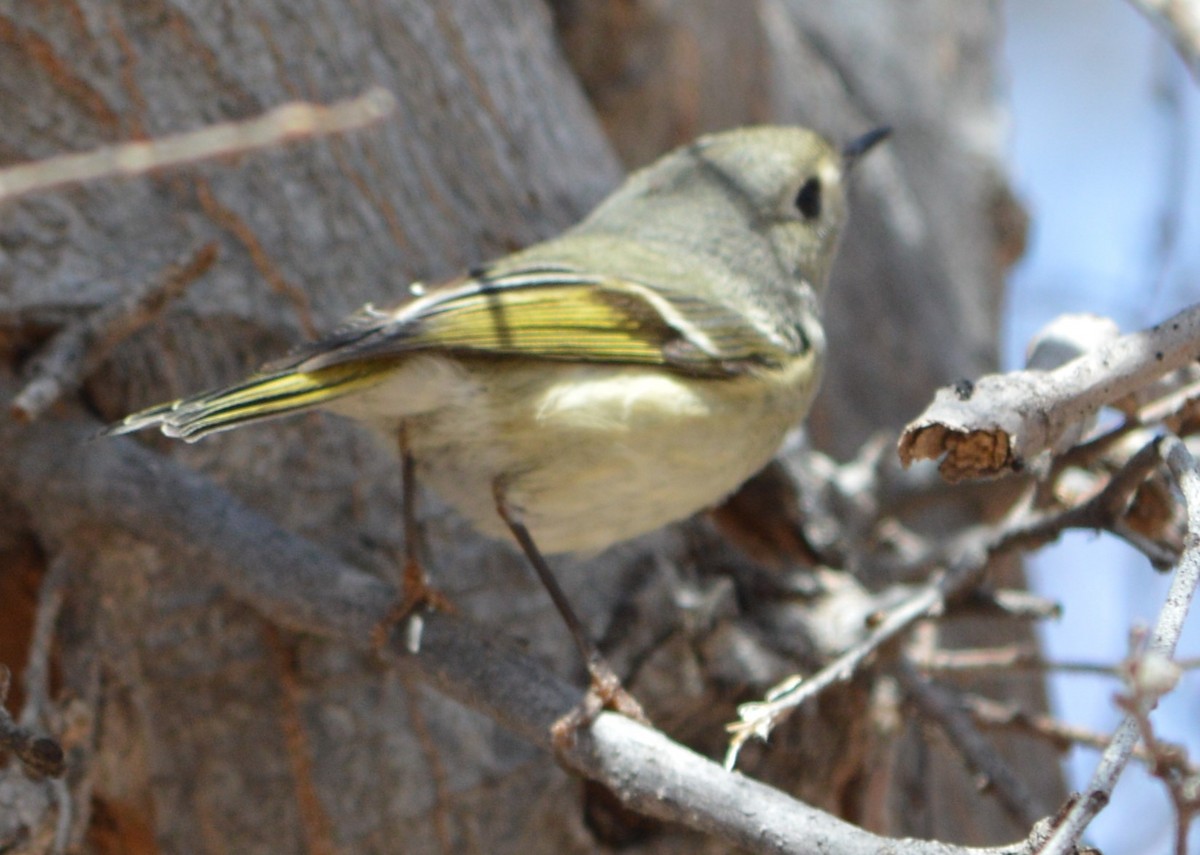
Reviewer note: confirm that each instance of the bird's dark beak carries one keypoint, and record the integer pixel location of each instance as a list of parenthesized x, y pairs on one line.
[(853, 151)]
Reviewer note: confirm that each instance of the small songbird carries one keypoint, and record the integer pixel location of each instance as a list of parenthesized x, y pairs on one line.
[(623, 375)]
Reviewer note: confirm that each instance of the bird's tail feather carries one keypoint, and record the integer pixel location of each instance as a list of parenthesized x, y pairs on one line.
[(257, 398)]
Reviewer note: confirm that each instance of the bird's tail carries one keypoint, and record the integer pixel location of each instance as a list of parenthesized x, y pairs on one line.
[(257, 398)]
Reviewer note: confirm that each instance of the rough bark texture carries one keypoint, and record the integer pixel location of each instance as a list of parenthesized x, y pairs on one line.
[(193, 723)]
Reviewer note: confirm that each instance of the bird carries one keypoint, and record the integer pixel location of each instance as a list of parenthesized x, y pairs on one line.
[(633, 370)]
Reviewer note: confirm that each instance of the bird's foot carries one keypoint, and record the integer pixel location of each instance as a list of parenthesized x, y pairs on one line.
[(416, 595), (604, 692)]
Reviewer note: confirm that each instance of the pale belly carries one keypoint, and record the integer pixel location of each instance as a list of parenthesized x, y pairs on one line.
[(592, 455)]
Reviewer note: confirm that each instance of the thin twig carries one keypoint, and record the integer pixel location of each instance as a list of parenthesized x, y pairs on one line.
[(1018, 658), (1007, 603), (1101, 512), (759, 718), (294, 121), (1148, 677), (944, 707), (76, 350), (40, 755), (995, 715), (37, 664), (1162, 642), (1005, 659), (973, 550), (1180, 21), (1169, 89)]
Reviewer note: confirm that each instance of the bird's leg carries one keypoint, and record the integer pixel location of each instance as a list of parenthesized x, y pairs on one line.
[(605, 689), (415, 590)]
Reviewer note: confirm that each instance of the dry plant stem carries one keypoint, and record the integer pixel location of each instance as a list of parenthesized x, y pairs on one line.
[(1008, 603), (69, 485), (1180, 20), (63, 821), (944, 706), (1008, 419), (1162, 641), (37, 666), (1016, 658), (1167, 764), (973, 550), (994, 715), (289, 122), (76, 350), (39, 755), (759, 718), (1170, 404), (1086, 454)]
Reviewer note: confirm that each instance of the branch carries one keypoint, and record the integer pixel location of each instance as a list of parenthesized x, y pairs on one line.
[(1010, 659), (67, 484), (1149, 676), (75, 351), (293, 121), (968, 557), (1001, 422), (759, 718), (945, 707), (1162, 643), (1180, 21), (39, 755), (994, 715)]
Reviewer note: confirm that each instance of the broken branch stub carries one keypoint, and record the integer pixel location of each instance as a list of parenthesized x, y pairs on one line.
[(976, 430), (1003, 421)]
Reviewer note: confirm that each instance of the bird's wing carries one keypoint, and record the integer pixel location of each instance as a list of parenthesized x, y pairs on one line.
[(553, 312)]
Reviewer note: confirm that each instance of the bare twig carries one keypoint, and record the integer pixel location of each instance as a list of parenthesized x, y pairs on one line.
[(1018, 658), (971, 552), (1101, 512), (1005, 659), (39, 755), (1180, 21), (1162, 642), (759, 718), (1006, 602), (1170, 91), (944, 707), (37, 666), (294, 121), (1149, 676), (992, 714), (76, 350)]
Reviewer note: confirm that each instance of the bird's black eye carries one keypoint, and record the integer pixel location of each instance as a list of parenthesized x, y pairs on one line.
[(808, 200)]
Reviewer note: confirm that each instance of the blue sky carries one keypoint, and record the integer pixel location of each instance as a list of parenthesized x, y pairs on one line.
[(1104, 146)]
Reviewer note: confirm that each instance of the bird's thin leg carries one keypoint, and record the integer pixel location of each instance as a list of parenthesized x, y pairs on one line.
[(415, 590), (414, 575), (605, 689)]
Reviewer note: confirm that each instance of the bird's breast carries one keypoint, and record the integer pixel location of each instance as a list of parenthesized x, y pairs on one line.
[(595, 454)]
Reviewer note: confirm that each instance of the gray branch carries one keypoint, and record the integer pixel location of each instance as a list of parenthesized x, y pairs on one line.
[(70, 484), (1162, 642)]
